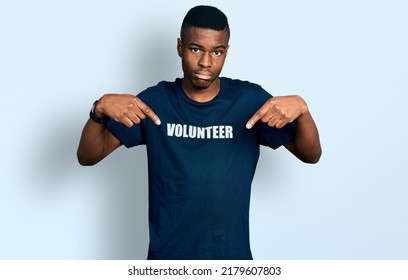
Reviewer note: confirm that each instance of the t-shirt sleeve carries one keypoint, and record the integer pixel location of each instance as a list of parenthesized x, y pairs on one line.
[(275, 137), (129, 137)]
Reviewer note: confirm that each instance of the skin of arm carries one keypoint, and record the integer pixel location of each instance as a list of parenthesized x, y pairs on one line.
[(96, 141), (95, 144), (281, 110)]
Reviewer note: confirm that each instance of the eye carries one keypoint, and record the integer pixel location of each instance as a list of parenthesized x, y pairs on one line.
[(195, 50), (217, 53)]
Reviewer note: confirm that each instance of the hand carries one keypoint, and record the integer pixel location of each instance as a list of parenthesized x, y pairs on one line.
[(125, 108), (279, 111)]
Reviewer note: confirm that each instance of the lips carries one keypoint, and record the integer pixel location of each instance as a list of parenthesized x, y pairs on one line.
[(202, 76)]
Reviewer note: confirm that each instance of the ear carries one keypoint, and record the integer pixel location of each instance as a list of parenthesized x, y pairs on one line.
[(179, 47)]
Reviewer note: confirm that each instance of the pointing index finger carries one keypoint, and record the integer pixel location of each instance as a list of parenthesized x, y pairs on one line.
[(147, 111), (256, 117)]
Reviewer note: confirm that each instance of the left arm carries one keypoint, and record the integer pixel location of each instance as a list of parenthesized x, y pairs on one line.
[(306, 145), (281, 110)]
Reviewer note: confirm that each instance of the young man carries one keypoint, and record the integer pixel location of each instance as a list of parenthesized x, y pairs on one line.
[(202, 134)]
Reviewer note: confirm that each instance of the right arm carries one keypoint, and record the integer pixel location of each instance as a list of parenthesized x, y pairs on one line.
[(96, 140), (96, 143)]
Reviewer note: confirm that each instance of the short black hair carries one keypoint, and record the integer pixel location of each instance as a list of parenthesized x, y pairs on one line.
[(205, 17)]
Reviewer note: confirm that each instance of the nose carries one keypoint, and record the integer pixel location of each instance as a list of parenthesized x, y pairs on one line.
[(205, 60)]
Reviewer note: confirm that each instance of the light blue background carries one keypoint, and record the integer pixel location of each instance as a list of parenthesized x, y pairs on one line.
[(348, 59)]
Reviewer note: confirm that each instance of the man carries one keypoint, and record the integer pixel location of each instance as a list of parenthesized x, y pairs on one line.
[(202, 134)]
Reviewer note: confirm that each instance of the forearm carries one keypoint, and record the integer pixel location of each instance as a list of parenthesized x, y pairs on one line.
[(92, 144), (306, 145)]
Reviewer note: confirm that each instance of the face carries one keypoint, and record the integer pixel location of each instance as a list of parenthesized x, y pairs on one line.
[(203, 53)]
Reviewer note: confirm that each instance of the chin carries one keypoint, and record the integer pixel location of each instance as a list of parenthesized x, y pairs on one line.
[(201, 87), (200, 84)]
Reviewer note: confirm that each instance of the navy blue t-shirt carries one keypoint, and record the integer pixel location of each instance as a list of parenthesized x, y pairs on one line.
[(201, 163)]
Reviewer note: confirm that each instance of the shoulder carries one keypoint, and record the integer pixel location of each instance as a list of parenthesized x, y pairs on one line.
[(237, 83), (162, 86), (243, 86), (157, 91), (245, 89)]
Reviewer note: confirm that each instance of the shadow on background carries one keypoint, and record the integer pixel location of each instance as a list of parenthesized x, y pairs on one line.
[(115, 189), (125, 217), (120, 180)]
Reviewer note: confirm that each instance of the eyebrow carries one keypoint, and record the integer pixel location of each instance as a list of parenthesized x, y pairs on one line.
[(193, 44)]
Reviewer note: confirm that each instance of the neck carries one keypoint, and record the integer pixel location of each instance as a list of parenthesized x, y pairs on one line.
[(201, 94)]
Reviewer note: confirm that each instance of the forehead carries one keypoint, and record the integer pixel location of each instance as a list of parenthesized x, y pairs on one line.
[(205, 37)]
